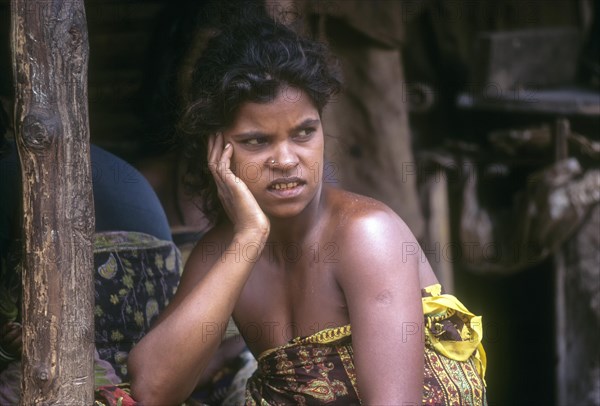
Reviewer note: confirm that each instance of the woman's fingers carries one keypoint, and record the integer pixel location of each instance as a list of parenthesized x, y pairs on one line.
[(230, 180), (220, 158), (213, 153), (211, 143), (215, 147), (239, 203), (225, 161)]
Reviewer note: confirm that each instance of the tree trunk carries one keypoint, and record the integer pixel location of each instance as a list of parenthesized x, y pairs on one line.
[(50, 54)]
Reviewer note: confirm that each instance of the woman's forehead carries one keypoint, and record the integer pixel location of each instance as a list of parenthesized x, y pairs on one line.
[(289, 106)]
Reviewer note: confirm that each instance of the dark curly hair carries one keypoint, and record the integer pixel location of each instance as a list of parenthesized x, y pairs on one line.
[(246, 62)]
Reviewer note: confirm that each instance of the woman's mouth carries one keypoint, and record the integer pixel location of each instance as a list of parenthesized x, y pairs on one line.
[(286, 187)]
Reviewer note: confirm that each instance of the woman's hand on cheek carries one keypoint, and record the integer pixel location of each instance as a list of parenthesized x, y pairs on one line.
[(238, 202)]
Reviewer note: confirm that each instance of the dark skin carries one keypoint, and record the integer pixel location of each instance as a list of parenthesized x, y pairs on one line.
[(296, 257)]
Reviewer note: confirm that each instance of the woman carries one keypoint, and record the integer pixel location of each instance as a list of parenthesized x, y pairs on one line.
[(293, 260)]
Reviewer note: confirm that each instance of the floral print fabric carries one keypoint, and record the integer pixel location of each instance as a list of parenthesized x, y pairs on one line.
[(136, 275)]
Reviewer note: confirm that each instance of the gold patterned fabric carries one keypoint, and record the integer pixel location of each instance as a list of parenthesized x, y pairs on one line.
[(319, 369), (311, 370)]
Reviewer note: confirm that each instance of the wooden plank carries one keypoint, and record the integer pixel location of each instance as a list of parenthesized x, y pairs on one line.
[(561, 135), (520, 58), (565, 101), (50, 55), (577, 290), (438, 228), (436, 243)]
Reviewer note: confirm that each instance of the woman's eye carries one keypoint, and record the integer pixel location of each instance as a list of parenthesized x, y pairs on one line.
[(254, 141), (305, 133)]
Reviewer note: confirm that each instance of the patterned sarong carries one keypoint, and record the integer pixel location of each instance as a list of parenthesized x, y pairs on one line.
[(320, 368)]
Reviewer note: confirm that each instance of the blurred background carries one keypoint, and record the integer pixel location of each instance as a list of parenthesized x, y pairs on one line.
[(477, 121)]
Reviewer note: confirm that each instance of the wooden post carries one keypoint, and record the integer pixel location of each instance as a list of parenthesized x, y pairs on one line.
[(49, 54), (438, 229)]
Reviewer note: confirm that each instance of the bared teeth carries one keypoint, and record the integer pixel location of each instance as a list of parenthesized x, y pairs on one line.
[(280, 186)]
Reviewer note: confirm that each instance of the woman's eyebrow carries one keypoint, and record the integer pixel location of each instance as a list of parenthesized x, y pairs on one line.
[(309, 122), (250, 134)]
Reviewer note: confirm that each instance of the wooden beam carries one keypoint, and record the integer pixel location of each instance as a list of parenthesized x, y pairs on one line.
[(50, 55), (437, 230)]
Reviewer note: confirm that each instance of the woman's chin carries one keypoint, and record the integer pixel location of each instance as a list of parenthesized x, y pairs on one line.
[(288, 204), (281, 213)]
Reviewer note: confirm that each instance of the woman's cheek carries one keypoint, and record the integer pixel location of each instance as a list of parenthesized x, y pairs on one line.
[(245, 169), (251, 172)]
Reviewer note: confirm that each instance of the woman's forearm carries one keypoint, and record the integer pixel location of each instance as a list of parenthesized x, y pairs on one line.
[(167, 363)]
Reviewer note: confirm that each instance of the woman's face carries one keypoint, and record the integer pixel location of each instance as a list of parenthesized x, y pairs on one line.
[(278, 152)]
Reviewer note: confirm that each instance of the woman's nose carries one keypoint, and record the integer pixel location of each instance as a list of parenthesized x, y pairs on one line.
[(283, 157)]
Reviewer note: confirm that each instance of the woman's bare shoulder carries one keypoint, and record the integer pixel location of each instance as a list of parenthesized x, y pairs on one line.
[(351, 211), (368, 231)]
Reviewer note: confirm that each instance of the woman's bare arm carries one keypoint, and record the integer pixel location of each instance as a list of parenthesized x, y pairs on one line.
[(167, 363), (380, 279)]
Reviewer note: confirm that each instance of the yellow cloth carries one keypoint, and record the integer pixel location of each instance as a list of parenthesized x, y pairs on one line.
[(438, 307)]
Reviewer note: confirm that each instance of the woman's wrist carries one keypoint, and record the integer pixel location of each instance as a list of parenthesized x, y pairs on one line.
[(250, 238), (249, 243), (256, 235)]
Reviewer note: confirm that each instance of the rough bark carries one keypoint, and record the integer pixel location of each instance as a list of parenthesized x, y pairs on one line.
[(50, 54)]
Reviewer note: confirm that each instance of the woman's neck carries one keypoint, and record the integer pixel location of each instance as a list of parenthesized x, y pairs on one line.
[(298, 228)]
